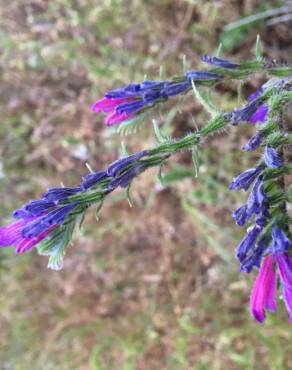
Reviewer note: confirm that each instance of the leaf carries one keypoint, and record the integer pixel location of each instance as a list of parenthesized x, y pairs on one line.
[(219, 50), (124, 152), (258, 49), (159, 136), (55, 245), (160, 175), (128, 195), (131, 126), (196, 159), (204, 101)]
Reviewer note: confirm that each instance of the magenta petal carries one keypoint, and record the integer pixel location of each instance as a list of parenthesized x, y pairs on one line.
[(107, 105), (284, 262), (27, 244), (287, 293), (9, 235), (115, 118), (263, 292), (260, 115)]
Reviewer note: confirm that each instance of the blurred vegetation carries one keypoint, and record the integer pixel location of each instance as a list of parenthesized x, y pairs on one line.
[(149, 287)]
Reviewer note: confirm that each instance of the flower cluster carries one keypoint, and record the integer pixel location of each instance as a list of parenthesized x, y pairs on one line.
[(130, 101), (263, 247), (48, 223), (50, 220)]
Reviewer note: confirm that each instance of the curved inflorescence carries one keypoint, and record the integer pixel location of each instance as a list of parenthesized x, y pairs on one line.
[(48, 223)]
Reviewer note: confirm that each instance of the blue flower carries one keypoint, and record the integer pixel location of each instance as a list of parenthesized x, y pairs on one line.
[(218, 62), (53, 218), (176, 88), (245, 114), (92, 179), (280, 241), (248, 243), (59, 194), (202, 76), (124, 179), (117, 167), (254, 256), (241, 215), (129, 108), (245, 179), (271, 158), (253, 143), (33, 209)]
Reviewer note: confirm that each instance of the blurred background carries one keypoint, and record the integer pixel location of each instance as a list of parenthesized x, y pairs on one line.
[(155, 286)]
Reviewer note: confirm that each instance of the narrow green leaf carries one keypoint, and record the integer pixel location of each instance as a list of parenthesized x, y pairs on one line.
[(196, 159), (159, 136), (128, 195), (204, 101), (219, 50), (160, 175), (258, 49), (124, 152)]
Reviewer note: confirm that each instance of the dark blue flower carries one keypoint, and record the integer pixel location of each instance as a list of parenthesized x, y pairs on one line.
[(124, 179), (241, 215), (92, 179), (272, 158), (58, 194), (117, 167), (176, 88), (218, 62), (55, 217), (280, 241), (253, 143), (150, 96), (245, 179), (129, 108), (248, 242), (245, 114), (257, 201), (33, 209), (255, 255), (202, 76)]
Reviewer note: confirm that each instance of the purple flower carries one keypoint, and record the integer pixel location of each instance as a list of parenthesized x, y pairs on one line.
[(271, 158), (257, 201), (59, 194), (202, 76), (117, 167), (248, 242), (92, 179), (130, 108), (256, 204), (264, 290), (52, 219), (176, 88), (245, 179), (281, 242), (218, 62), (33, 209), (253, 143), (254, 256), (241, 215), (260, 115), (124, 179), (245, 114), (109, 105), (12, 235)]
